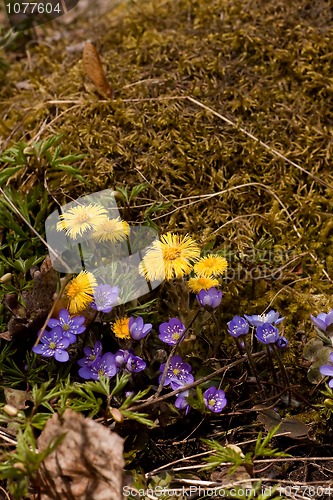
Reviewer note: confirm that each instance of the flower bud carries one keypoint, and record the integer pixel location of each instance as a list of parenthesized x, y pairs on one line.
[(6, 278), (10, 410), (116, 415)]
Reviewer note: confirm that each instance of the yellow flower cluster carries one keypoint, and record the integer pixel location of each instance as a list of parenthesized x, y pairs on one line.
[(82, 218), (206, 270), (175, 256)]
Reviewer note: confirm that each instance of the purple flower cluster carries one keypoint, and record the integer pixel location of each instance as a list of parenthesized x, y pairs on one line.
[(265, 328), (178, 373), (95, 364), (129, 361), (63, 332)]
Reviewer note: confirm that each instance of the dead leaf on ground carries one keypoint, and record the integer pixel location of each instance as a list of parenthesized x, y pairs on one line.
[(17, 398), (93, 68), (88, 463), (37, 302), (294, 427)]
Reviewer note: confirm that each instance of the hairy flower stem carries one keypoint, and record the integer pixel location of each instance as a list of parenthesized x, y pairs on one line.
[(217, 331), (252, 364), (283, 372), (173, 350), (271, 366)]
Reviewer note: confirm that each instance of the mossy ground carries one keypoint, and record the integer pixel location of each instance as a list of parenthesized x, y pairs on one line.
[(266, 66)]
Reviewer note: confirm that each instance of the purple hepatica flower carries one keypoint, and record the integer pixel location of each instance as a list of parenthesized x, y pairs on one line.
[(105, 297), (267, 333), (91, 353), (121, 358), (271, 317), (138, 329), (214, 399), (128, 360), (282, 342), (172, 331), (178, 373), (238, 326), (70, 326), (104, 366), (54, 344), (134, 364), (181, 402), (209, 299), (324, 321), (327, 370)]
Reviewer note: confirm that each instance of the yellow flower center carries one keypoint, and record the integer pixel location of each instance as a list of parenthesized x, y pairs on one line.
[(52, 345), (65, 327), (73, 289), (211, 402), (171, 253), (176, 371), (83, 217), (120, 328), (175, 336)]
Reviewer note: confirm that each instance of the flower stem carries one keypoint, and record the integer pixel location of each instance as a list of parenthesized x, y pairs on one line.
[(271, 364), (252, 364), (283, 372)]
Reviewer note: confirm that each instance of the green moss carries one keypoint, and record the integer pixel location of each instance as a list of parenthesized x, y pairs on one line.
[(266, 66)]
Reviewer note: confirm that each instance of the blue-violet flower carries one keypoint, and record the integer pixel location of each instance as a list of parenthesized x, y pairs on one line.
[(324, 321), (178, 373), (214, 399), (104, 366), (138, 330), (53, 344), (209, 299), (105, 297), (267, 333), (172, 331), (238, 326), (271, 317), (92, 353), (70, 326), (281, 342), (327, 370)]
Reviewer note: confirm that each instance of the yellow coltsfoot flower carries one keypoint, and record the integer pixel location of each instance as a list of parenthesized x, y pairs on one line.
[(211, 265), (121, 329), (113, 230), (80, 291), (169, 258), (77, 220), (201, 283)]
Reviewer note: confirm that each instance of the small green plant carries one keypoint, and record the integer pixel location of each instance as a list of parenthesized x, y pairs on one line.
[(40, 157), (19, 466), (235, 457)]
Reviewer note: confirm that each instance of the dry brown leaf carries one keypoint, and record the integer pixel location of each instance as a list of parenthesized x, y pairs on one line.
[(38, 300), (88, 463), (294, 427), (17, 398), (93, 68)]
